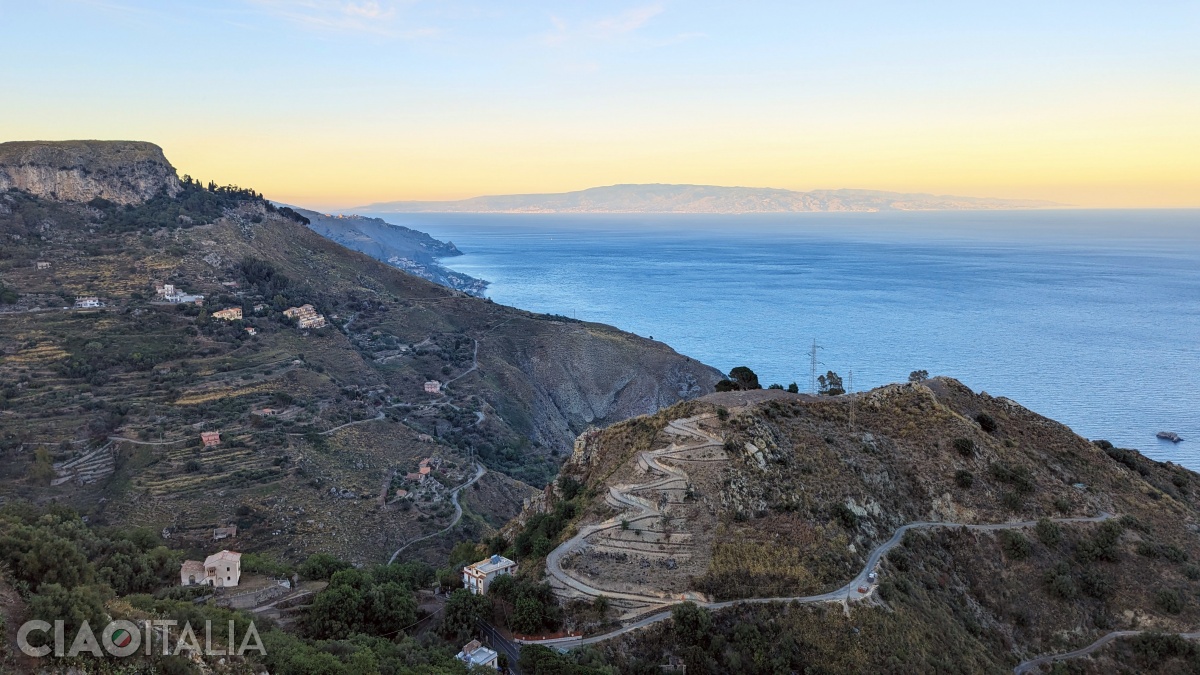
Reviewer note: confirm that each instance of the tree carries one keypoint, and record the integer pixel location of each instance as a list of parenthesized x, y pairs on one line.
[(830, 384), (42, 470), (692, 623), (918, 376), (321, 566), (744, 378), (463, 610), (793, 388)]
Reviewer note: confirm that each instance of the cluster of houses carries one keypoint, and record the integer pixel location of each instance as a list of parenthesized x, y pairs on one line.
[(306, 316), (424, 467), (231, 314), (168, 293)]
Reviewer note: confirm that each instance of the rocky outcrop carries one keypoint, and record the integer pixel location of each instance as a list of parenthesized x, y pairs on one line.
[(125, 172)]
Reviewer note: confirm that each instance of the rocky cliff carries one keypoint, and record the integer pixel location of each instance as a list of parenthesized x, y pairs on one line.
[(125, 172)]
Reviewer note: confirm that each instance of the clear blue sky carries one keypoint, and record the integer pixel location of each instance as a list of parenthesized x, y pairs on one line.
[(330, 102)]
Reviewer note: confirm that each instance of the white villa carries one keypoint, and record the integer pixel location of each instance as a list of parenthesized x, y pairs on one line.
[(475, 654), (221, 570), (477, 577)]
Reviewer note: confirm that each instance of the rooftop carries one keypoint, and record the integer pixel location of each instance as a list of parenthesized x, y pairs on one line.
[(492, 564)]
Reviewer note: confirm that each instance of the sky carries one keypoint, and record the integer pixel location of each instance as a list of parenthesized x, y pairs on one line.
[(338, 103)]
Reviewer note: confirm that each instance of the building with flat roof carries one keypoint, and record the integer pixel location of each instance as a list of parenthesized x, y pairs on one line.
[(478, 576), (475, 654)]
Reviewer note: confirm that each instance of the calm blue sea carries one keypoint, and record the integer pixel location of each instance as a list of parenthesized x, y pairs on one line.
[(1088, 317)]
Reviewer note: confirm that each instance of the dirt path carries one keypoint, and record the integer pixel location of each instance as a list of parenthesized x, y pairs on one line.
[(638, 508), (479, 471), (1033, 665)]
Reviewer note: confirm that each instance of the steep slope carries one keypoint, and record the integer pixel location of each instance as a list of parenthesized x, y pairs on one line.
[(318, 426), (997, 535), (656, 198), (414, 252), (125, 172)]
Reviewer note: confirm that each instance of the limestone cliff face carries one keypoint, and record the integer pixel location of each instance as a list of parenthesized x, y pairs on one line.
[(125, 172)]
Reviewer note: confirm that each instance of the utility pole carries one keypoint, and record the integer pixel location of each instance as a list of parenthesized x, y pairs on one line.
[(813, 358), (851, 390)]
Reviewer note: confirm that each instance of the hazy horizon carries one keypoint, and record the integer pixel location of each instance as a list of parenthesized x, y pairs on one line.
[(339, 103)]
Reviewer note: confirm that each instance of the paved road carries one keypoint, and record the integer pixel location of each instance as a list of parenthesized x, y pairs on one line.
[(479, 471), (619, 496), (502, 645), (1033, 665)]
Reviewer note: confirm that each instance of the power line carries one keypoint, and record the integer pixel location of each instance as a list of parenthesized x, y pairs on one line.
[(813, 370)]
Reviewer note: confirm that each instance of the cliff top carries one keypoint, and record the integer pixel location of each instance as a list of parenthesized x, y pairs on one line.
[(90, 154)]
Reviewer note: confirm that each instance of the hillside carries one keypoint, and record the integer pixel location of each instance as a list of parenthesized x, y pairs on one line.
[(997, 535), (414, 252), (705, 199), (125, 172), (318, 427)]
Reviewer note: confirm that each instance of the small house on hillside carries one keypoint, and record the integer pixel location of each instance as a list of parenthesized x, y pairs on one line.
[(222, 570), (210, 438), (475, 654), (433, 387), (231, 314), (87, 302), (224, 532), (478, 576), (43, 265)]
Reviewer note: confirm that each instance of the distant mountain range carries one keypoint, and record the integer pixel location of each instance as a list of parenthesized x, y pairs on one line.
[(659, 198)]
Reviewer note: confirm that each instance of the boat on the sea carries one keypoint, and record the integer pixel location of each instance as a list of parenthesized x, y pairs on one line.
[(1169, 436)]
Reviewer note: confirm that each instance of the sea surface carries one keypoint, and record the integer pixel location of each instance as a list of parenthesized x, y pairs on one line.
[(1088, 317)]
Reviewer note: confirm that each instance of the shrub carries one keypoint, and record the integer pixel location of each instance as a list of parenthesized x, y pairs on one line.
[(1017, 476), (1059, 582), (964, 479), (1048, 531), (1095, 584), (1015, 545), (986, 422), (964, 446), (1012, 501), (1169, 601), (843, 514)]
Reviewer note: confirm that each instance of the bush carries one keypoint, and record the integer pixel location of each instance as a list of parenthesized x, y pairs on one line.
[(964, 479), (964, 446), (1169, 601), (986, 422), (1018, 476), (1048, 531), (1059, 582), (321, 566), (1015, 545), (843, 514)]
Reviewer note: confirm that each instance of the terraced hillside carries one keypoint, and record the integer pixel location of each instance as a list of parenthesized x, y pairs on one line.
[(315, 428), (914, 528)]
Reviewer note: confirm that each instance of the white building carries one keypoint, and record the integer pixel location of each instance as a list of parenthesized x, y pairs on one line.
[(221, 570), (475, 654), (433, 387), (89, 301), (477, 577)]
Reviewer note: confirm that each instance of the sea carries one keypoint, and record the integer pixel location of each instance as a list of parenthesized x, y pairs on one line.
[(1090, 317)]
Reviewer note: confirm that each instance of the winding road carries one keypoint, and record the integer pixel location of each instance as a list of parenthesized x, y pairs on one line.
[(479, 471), (638, 508), (1033, 664)]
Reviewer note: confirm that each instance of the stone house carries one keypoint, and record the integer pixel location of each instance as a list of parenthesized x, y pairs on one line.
[(210, 438), (220, 570)]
